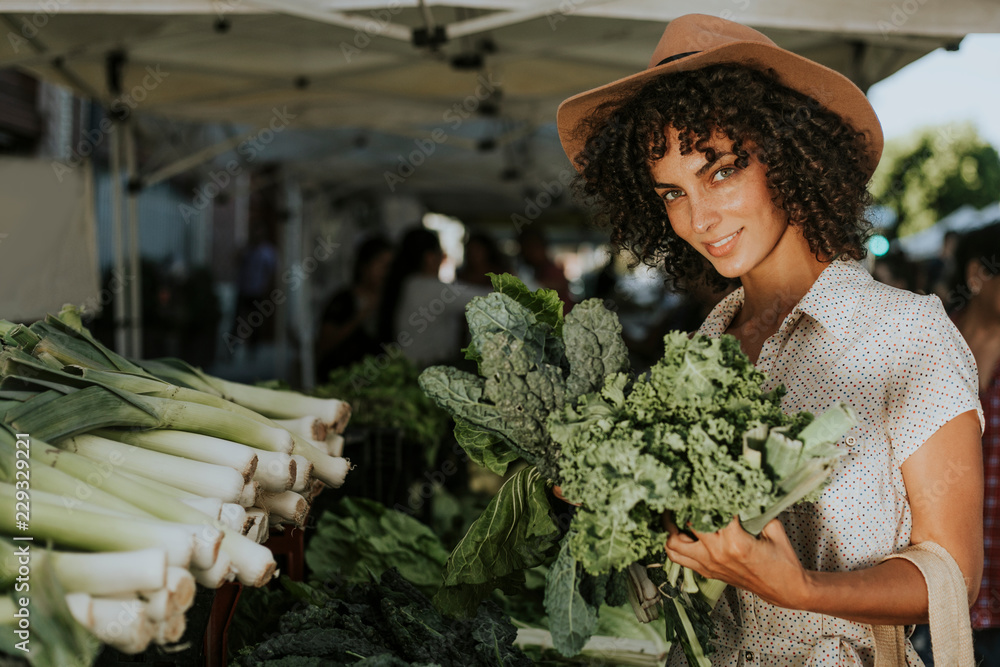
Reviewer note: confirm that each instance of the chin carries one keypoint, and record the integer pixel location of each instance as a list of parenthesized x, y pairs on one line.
[(730, 269)]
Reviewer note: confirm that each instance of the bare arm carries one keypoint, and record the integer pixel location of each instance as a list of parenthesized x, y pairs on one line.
[(944, 479)]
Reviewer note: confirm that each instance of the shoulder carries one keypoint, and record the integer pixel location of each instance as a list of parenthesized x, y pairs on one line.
[(902, 312)]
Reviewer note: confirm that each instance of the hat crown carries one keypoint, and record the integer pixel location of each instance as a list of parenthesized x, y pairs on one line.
[(693, 33)]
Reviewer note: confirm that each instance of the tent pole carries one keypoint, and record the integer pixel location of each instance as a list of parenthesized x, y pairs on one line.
[(118, 242), (301, 297), (132, 217)]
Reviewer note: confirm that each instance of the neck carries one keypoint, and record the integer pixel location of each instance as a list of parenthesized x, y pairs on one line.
[(771, 290)]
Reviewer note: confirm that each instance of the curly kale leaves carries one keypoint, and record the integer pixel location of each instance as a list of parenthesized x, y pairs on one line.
[(699, 437), (516, 532), (532, 362)]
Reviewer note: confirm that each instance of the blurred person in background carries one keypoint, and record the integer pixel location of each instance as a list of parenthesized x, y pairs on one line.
[(419, 313), (939, 271), (539, 270), (975, 294), (256, 279), (349, 325), (895, 269), (482, 256)]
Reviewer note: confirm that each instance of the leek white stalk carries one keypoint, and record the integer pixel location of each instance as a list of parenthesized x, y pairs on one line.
[(311, 428), (275, 471), (111, 572), (254, 564), (286, 404), (303, 473), (175, 597), (194, 446), (208, 506), (157, 603), (288, 505), (170, 631), (198, 477), (93, 531), (260, 530), (73, 491), (160, 487), (232, 517), (331, 469), (122, 623), (81, 608), (213, 577), (250, 494), (315, 488), (335, 445)]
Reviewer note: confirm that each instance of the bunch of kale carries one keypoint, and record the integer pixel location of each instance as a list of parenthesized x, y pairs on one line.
[(698, 436)]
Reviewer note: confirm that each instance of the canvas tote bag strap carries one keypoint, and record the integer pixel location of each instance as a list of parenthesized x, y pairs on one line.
[(948, 607)]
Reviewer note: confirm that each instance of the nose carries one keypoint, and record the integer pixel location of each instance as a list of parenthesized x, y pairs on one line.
[(704, 215)]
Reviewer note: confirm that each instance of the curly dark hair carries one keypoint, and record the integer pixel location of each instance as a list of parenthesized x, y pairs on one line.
[(815, 163)]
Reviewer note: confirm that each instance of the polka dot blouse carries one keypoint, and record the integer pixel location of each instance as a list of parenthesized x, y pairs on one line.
[(897, 359)]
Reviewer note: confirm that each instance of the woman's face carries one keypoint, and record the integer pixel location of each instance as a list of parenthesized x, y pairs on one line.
[(724, 212)]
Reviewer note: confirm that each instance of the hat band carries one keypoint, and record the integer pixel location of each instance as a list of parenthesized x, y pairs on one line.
[(675, 57)]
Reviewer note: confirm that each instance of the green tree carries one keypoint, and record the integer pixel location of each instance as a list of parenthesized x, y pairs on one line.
[(933, 172)]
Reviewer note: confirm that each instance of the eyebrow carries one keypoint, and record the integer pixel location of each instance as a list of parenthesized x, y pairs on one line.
[(701, 172)]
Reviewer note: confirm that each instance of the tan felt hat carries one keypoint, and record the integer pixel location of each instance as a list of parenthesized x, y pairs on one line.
[(697, 40)]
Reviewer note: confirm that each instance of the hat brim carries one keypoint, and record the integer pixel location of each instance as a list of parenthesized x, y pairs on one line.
[(830, 88)]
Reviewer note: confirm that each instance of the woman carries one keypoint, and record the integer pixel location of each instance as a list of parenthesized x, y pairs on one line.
[(731, 159), (420, 314), (347, 330), (975, 293)]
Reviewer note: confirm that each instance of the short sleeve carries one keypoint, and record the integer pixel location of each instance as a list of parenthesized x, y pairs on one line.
[(934, 381)]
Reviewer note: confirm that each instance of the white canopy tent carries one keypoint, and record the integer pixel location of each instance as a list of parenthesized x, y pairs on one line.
[(451, 102)]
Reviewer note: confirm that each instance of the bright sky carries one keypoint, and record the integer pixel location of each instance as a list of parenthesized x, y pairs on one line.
[(944, 87)]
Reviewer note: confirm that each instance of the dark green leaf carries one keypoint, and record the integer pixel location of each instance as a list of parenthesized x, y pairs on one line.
[(544, 303), (515, 532), (572, 619)]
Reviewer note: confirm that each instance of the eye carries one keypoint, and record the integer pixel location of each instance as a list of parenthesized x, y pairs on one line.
[(724, 173), (671, 195)]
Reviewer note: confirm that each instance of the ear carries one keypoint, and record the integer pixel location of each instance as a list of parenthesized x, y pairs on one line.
[(975, 276)]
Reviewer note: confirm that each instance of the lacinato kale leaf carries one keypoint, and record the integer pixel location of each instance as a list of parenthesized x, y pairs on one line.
[(516, 532), (531, 361), (572, 617)]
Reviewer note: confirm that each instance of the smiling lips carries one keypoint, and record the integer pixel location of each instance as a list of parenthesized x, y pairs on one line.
[(724, 246)]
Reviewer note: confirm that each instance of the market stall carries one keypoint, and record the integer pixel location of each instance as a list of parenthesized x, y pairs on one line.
[(196, 473)]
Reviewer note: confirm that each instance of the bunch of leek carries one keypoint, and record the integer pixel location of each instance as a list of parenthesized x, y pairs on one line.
[(166, 475)]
